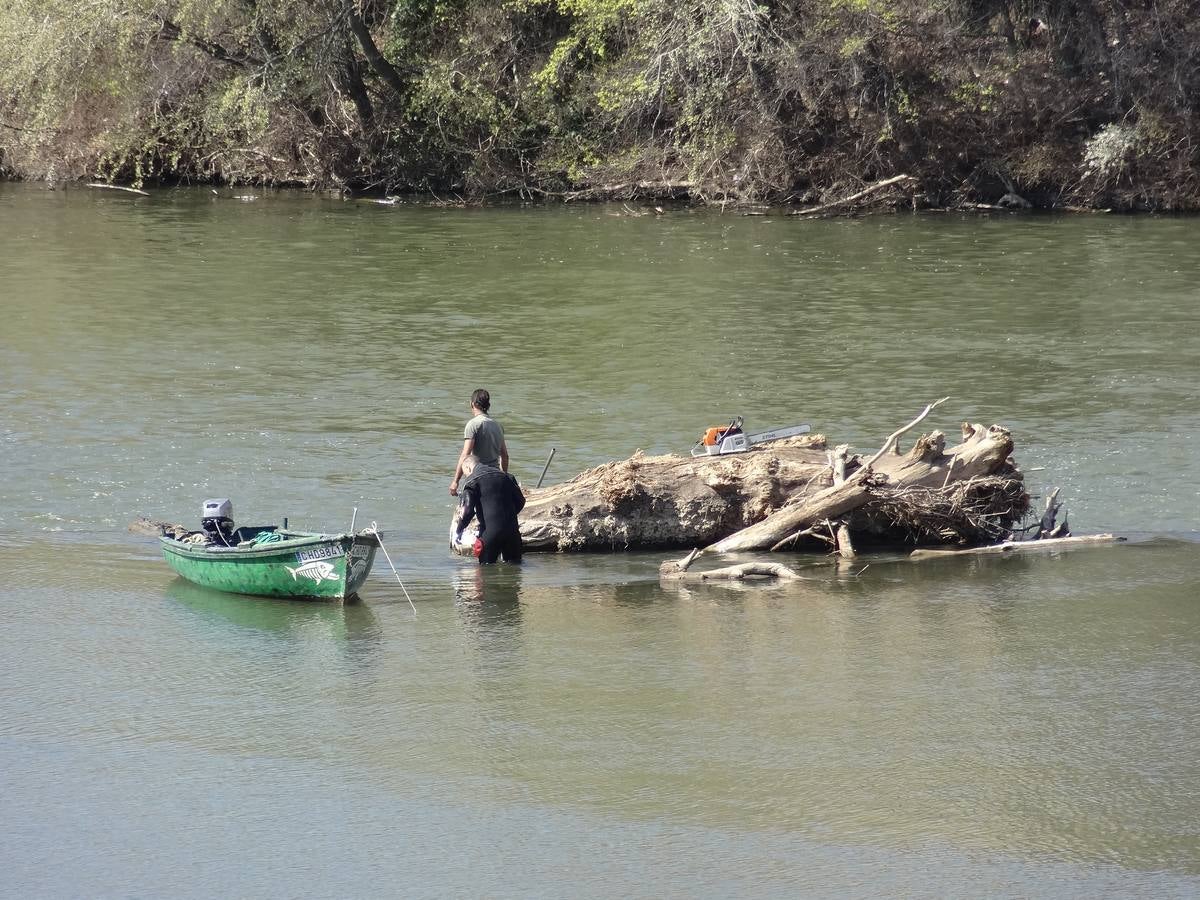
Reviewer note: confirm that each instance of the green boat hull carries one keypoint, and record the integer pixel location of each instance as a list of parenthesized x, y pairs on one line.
[(298, 565)]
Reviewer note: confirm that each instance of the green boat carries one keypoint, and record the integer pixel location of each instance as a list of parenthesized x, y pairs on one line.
[(270, 561)]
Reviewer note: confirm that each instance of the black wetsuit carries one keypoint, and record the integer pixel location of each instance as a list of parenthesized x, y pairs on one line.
[(495, 497)]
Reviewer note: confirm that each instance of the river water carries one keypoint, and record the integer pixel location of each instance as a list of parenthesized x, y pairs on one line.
[(573, 727)]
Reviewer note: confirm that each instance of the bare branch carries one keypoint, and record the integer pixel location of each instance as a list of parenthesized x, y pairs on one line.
[(875, 187), (169, 31), (890, 444)]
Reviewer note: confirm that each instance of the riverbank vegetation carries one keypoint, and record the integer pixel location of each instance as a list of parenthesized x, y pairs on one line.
[(1076, 103)]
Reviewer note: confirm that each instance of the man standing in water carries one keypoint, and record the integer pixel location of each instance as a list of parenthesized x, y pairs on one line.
[(496, 499), (483, 440)]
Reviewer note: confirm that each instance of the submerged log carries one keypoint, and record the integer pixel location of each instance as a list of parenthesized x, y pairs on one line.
[(118, 187), (743, 572), (789, 493), (1016, 546), (677, 570)]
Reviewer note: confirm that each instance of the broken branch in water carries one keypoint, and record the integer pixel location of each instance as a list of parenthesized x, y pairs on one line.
[(870, 190), (117, 187), (678, 571), (813, 531), (1014, 546)]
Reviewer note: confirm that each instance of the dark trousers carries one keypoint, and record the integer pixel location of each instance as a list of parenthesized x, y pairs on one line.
[(492, 545)]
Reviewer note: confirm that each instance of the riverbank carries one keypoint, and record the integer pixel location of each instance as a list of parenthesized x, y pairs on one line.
[(880, 199), (627, 100)]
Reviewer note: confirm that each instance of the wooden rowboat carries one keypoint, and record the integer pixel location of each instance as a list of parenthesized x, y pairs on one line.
[(268, 561)]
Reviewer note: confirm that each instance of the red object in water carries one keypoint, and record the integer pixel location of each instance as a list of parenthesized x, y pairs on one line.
[(477, 548)]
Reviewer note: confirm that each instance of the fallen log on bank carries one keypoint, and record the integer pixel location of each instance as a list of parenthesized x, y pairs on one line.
[(790, 494), (813, 210)]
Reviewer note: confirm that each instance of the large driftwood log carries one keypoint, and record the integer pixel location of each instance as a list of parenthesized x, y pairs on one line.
[(785, 492), (928, 465), (983, 452), (661, 502)]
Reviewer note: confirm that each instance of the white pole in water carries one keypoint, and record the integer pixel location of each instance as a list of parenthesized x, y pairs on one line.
[(352, 519), (546, 467)]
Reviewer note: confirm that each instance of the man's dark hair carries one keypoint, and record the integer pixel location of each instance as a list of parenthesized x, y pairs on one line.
[(481, 399)]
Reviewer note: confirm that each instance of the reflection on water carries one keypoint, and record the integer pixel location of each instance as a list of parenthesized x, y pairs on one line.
[(497, 587), (352, 624), (489, 604)]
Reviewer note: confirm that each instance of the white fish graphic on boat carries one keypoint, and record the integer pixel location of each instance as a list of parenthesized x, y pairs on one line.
[(356, 567), (317, 571)]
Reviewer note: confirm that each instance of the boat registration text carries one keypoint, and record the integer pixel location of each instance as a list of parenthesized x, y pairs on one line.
[(328, 551)]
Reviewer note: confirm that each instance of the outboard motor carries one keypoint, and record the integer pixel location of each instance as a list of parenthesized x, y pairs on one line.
[(217, 521)]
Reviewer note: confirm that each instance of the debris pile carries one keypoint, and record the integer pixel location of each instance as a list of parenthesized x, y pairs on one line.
[(793, 493)]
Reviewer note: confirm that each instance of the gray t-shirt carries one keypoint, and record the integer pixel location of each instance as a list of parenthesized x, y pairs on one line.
[(488, 437)]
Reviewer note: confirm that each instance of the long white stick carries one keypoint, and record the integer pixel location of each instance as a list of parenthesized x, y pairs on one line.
[(1013, 546), (117, 187)]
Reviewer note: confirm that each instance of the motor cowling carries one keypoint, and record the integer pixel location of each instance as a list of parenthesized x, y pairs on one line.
[(216, 518)]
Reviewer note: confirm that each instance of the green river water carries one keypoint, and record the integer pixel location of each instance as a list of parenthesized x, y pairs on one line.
[(1006, 727)]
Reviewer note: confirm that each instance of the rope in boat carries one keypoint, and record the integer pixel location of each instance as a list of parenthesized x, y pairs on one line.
[(374, 529)]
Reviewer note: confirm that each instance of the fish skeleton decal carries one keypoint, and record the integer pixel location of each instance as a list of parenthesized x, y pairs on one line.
[(317, 571), (356, 567)]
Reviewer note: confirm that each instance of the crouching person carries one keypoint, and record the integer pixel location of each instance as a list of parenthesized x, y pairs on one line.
[(495, 498)]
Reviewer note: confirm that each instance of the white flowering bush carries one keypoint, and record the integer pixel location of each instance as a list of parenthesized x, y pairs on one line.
[(1109, 151)]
